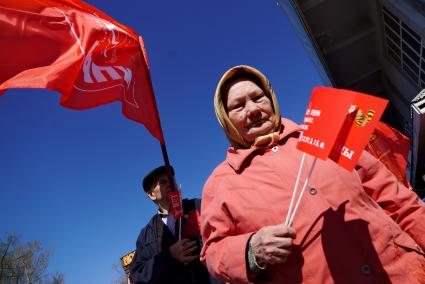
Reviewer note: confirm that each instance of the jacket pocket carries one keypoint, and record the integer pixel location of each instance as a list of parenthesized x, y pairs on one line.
[(406, 242)]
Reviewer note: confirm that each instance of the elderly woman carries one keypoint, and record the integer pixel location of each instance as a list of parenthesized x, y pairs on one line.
[(351, 227)]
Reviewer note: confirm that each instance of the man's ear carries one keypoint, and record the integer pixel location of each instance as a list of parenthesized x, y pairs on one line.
[(151, 195)]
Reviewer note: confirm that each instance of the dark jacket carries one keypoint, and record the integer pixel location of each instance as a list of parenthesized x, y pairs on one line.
[(153, 262)]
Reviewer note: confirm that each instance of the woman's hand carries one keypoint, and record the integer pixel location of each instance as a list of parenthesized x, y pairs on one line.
[(272, 244)]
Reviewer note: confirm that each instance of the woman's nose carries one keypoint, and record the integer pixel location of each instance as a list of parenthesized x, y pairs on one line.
[(252, 109)]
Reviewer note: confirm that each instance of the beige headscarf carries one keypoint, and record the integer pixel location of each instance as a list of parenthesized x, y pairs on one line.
[(232, 133)]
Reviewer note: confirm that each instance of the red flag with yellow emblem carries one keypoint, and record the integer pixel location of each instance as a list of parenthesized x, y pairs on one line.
[(338, 124)]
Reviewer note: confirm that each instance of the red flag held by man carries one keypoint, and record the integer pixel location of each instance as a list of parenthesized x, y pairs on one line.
[(70, 47)]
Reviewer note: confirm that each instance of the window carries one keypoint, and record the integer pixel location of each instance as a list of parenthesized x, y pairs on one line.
[(404, 47)]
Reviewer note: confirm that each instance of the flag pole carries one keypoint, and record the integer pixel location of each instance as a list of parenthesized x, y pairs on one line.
[(294, 191), (291, 220), (165, 157)]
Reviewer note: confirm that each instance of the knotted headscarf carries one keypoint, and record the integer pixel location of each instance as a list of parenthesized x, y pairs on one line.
[(235, 138)]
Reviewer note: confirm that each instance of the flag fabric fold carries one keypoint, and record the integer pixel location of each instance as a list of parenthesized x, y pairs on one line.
[(71, 47)]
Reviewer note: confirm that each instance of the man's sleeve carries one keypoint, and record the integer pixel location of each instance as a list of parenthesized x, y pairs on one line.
[(399, 202), (151, 264), (224, 252)]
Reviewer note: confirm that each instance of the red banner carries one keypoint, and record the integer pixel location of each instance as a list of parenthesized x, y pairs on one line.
[(70, 47), (338, 124), (392, 148)]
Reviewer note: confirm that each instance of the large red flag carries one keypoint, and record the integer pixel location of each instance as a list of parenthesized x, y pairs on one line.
[(70, 47), (391, 147)]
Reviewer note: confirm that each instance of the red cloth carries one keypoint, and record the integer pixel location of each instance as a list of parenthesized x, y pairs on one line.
[(71, 47), (191, 225), (392, 148)]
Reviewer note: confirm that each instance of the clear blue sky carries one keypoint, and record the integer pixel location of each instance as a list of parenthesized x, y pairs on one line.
[(71, 179)]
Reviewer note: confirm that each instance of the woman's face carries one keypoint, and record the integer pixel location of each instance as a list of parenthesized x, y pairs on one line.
[(249, 109)]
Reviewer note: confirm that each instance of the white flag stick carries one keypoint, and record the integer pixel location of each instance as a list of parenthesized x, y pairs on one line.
[(294, 191), (180, 229), (291, 220)]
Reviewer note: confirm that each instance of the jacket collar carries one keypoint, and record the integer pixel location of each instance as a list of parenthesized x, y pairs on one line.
[(237, 156)]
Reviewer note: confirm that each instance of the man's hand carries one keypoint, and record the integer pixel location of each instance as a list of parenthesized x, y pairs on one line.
[(182, 251), (272, 244)]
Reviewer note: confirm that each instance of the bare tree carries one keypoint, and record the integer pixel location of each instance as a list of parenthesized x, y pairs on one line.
[(6, 250), (25, 263), (122, 278), (57, 278)]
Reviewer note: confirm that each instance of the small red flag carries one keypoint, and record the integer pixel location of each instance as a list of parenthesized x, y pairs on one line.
[(176, 206), (71, 47), (391, 147), (338, 124)]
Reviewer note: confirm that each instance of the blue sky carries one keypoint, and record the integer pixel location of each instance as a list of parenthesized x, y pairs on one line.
[(71, 179)]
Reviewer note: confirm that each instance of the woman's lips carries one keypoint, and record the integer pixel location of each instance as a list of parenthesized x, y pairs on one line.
[(256, 123)]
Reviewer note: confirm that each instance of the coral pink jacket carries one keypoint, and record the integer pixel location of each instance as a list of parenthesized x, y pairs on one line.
[(352, 227)]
